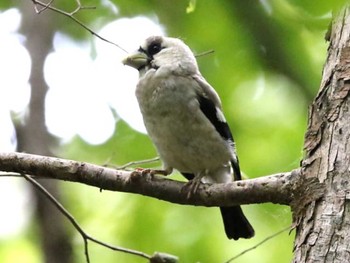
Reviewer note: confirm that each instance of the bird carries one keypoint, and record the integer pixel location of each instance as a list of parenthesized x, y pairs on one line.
[(183, 117)]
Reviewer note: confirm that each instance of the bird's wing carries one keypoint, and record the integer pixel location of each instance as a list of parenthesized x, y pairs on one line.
[(210, 105)]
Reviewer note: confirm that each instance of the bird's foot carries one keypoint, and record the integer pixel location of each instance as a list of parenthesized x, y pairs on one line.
[(142, 172), (151, 172), (139, 173), (192, 186)]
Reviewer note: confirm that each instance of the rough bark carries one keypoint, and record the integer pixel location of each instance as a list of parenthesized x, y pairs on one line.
[(324, 227)]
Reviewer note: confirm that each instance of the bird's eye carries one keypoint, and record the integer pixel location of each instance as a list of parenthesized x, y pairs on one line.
[(154, 49)]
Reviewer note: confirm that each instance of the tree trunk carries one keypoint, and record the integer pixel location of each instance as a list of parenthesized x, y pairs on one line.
[(33, 136), (323, 232)]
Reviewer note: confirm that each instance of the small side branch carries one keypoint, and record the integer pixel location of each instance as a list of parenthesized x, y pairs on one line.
[(258, 244), (278, 188), (84, 235), (41, 7)]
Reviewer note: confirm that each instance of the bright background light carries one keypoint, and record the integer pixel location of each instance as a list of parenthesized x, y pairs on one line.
[(15, 69), (82, 92)]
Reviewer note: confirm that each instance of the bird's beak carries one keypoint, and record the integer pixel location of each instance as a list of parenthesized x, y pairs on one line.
[(136, 60)]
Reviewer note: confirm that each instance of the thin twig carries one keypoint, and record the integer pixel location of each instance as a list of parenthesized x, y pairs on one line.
[(10, 174), (77, 9), (80, 7), (205, 53), (258, 244), (38, 11), (84, 235), (70, 15), (137, 163)]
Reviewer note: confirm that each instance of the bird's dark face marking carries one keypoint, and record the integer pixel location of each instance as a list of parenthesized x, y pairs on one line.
[(170, 53), (154, 46)]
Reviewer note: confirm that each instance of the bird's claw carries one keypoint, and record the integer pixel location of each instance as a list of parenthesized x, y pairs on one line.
[(151, 172), (191, 187)]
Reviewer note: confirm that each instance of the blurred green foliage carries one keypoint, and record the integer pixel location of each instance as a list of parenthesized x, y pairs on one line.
[(266, 68)]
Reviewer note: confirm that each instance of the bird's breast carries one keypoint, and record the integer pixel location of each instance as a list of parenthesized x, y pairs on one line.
[(184, 137)]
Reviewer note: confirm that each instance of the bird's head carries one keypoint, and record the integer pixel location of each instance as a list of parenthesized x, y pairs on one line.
[(157, 52)]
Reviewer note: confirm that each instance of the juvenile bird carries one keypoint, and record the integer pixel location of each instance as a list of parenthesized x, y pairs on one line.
[(184, 119)]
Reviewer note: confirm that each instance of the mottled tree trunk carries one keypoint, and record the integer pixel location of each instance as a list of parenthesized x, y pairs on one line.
[(323, 232), (33, 136)]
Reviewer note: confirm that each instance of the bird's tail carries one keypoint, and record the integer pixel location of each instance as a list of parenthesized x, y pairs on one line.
[(236, 224)]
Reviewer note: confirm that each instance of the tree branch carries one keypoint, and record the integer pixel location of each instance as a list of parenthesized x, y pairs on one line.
[(84, 235), (45, 6), (258, 244), (280, 188)]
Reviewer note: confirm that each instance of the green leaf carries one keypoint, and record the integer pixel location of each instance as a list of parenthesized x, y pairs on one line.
[(191, 6)]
